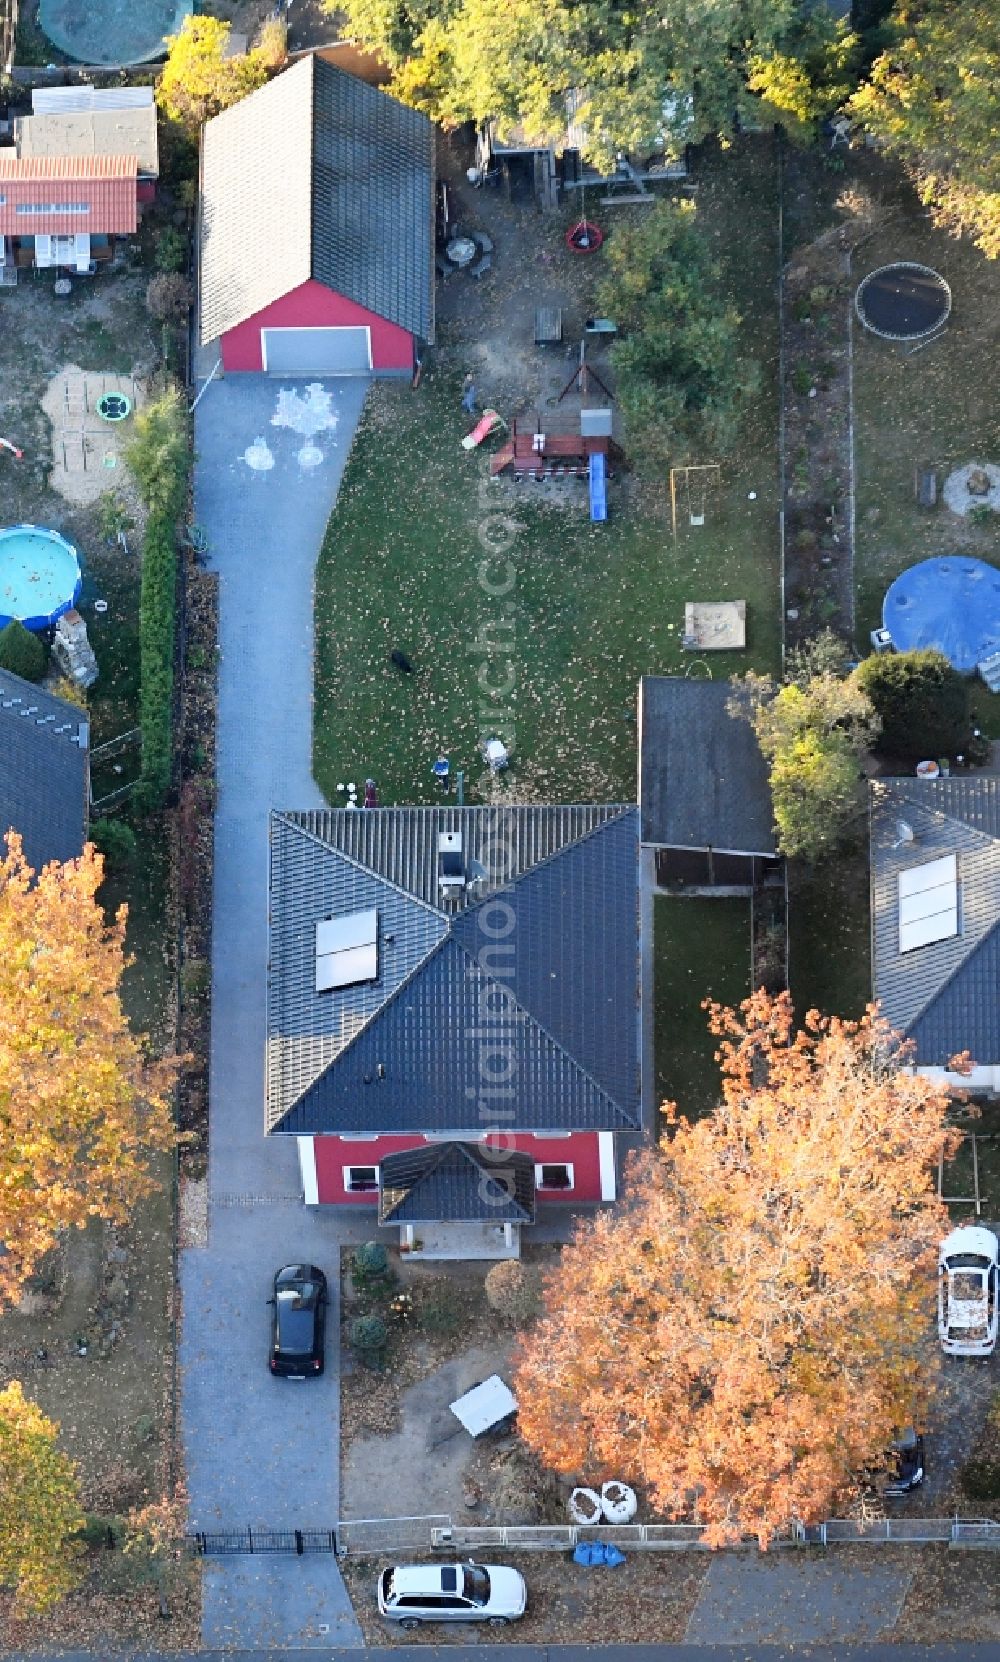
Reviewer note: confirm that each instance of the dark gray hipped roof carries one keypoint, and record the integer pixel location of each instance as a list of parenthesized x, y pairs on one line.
[(548, 974), (944, 996), (318, 175), (44, 771), (456, 1183), (702, 779)]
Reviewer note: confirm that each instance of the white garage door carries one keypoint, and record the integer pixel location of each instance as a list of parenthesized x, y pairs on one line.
[(316, 351)]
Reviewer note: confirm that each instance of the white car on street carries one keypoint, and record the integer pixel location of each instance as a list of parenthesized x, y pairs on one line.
[(968, 1308), (414, 1593)]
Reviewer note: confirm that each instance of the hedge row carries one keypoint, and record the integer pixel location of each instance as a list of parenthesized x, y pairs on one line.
[(159, 457), (157, 607)]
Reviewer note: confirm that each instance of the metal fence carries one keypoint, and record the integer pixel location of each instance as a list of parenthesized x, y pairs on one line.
[(377, 1537), (225, 1543), (368, 1537), (965, 1532)]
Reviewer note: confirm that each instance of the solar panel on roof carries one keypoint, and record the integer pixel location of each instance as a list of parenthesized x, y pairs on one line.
[(346, 950), (928, 902)]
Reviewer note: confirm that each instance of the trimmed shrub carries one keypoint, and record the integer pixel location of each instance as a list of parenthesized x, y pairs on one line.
[(369, 1337), (513, 1292), (22, 652), (921, 701), (159, 457), (171, 250), (116, 841), (371, 1262)]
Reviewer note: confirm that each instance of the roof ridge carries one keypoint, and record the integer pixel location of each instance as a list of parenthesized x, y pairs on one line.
[(621, 809), (540, 1027), (285, 815)]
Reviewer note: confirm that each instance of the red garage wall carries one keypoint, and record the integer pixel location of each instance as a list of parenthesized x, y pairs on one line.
[(314, 306), (581, 1151)]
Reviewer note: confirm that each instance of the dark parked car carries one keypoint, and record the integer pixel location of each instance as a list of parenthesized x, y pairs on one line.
[(906, 1464), (298, 1322)]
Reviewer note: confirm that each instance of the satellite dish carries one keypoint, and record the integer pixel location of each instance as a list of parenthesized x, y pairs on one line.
[(904, 833)]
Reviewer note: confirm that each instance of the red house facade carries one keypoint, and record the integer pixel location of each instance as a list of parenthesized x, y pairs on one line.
[(317, 229), (453, 1051)]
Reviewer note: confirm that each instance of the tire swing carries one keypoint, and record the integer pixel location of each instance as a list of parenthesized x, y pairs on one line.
[(584, 237)]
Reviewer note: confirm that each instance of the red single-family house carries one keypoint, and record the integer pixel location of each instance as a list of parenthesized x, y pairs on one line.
[(83, 165), (454, 1013), (65, 210), (317, 228)]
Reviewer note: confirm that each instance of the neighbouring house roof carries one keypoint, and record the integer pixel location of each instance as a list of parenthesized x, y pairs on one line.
[(83, 121), (318, 175), (44, 771), (541, 966), (702, 779), (456, 1183), (102, 187), (945, 996)]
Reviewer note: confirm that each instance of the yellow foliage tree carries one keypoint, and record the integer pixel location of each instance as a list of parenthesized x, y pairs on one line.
[(39, 1506), (82, 1108), (198, 79), (750, 1328)]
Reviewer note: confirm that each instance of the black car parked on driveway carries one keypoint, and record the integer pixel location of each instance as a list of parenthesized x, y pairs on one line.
[(298, 1322)]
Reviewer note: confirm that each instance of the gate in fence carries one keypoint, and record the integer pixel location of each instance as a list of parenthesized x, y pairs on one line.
[(224, 1543)]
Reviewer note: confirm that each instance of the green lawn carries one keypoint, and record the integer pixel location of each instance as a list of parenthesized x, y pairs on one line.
[(702, 950), (830, 949), (937, 406), (588, 608)]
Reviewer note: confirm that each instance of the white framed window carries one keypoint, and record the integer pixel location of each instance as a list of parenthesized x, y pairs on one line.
[(553, 1176), (549, 1136), (357, 1137), (361, 1180)]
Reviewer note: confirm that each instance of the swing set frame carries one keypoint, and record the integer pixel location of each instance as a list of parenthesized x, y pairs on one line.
[(684, 474)]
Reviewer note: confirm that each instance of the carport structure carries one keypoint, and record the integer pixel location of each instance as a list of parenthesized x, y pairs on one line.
[(317, 231)]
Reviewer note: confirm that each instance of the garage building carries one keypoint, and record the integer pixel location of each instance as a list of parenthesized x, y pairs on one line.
[(317, 228)]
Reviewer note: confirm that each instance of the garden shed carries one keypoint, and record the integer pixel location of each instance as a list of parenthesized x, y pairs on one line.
[(317, 228)]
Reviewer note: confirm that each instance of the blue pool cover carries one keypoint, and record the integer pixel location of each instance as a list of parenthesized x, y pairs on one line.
[(952, 603), (39, 576)]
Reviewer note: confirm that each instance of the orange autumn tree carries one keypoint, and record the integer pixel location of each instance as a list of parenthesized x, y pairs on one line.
[(749, 1328), (81, 1107)]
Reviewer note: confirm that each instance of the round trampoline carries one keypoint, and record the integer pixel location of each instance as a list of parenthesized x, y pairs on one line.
[(951, 603), (114, 406), (903, 301), (39, 576)]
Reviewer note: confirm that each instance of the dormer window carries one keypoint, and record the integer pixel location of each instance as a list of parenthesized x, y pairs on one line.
[(51, 207)]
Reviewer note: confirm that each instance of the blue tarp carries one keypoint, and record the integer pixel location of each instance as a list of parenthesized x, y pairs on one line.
[(951, 603), (597, 1552)]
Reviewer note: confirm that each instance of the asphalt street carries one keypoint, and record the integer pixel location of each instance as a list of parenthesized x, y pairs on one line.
[(560, 1653)]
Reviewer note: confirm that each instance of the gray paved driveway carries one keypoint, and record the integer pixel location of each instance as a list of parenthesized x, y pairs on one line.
[(259, 1451)]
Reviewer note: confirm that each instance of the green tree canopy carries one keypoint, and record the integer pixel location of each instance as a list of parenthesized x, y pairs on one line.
[(638, 67), (39, 1505), (811, 736), (922, 703), (681, 382), (934, 99)]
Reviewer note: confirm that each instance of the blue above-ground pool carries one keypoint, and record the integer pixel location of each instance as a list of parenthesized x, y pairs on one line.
[(951, 603), (39, 576)]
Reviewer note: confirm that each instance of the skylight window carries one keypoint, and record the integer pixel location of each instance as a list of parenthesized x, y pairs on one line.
[(346, 950), (928, 903)]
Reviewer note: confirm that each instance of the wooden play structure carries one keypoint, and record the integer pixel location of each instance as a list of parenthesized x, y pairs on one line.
[(547, 455)]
